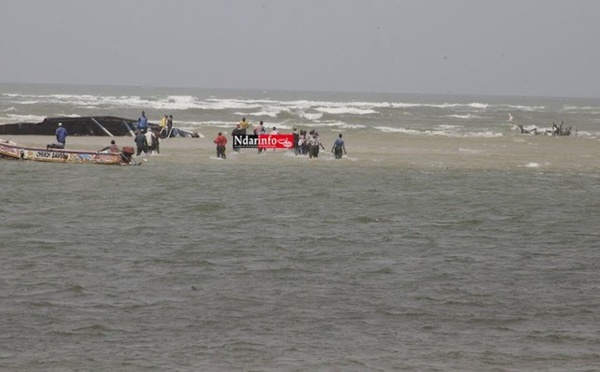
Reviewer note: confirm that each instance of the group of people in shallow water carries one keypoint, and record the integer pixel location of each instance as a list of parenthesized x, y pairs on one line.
[(165, 129), (303, 143), (148, 140)]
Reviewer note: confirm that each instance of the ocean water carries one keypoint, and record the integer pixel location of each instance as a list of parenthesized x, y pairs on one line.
[(197, 109), (445, 241)]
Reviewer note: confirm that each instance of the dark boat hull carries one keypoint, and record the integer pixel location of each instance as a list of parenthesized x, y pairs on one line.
[(82, 126)]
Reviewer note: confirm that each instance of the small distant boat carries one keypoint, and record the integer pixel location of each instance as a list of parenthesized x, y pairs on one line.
[(11, 150)]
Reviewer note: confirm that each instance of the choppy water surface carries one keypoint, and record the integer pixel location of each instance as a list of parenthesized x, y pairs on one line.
[(446, 240), (221, 266)]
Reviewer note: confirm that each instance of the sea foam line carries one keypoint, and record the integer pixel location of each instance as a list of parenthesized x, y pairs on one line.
[(441, 132)]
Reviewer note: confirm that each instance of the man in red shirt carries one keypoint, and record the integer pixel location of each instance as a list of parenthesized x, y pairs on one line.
[(221, 141)]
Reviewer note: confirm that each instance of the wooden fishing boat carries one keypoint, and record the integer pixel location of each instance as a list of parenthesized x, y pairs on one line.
[(11, 150)]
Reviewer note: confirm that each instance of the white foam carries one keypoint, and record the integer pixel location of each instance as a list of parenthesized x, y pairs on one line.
[(339, 124), (476, 105), (184, 102), (584, 133), (467, 116), (397, 130), (314, 116), (448, 126), (519, 107), (26, 118), (345, 110), (172, 102), (442, 132), (213, 123), (582, 108), (486, 134), (272, 114)]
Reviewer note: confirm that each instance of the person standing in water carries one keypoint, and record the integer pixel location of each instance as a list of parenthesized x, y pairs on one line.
[(163, 126), (221, 142), (258, 130), (338, 147), (61, 134), (243, 126), (237, 131), (314, 143), (141, 142), (169, 126), (313, 146), (296, 137), (155, 141), (142, 124)]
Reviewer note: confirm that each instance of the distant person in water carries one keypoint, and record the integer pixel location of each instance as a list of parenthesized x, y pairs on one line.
[(141, 142), (296, 137), (302, 143), (243, 126), (148, 135), (258, 130), (142, 124), (338, 147), (237, 131), (61, 134), (154, 141), (314, 143), (163, 126), (169, 126), (221, 142), (274, 131)]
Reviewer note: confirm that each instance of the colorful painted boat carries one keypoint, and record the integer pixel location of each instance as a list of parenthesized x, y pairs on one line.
[(11, 150)]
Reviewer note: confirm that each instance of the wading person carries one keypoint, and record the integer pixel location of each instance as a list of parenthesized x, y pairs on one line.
[(61, 134), (155, 142), (260, 129), (164, 132), (141, 142), (221, 142), (314, 143), (170, 126), (237, 131), (338, 147), (296, 137), (313, 146), (244, 125), (142, 124)]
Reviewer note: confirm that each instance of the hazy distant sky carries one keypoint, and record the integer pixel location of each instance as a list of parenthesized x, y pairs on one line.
[(499, 47)]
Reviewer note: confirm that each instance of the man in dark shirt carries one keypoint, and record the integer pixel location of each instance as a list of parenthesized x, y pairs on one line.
[(141, 142)]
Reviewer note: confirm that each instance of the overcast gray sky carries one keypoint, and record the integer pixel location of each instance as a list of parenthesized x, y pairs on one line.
[(499, 47)]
